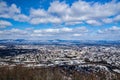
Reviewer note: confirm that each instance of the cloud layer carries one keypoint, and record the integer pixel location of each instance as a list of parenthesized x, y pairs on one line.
[(78, 33), (94, 14), (51, 33), (4, 24), (80, 12), (60, 13)]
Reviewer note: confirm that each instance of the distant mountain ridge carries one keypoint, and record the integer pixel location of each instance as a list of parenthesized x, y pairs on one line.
[(57, 41)]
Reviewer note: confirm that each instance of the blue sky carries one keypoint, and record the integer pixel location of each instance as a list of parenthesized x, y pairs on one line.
[(60, 19)]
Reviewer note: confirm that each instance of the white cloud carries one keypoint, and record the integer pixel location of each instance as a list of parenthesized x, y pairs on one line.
[(81, 33), (108, 20), (80, 29), (18, 31), (77, 34), (21, 18), (62, 30), (37, 35), (8, 11), (50, 33), (73, 23), (4, 24), (59, 9), (51, 30), (112, 33), (38, 13), (93, 22), (39, 16), (113, 29), (80, 12), (61, 33), (12, 12), (43, 20), (65, 29), (14, 33), (117, 18)]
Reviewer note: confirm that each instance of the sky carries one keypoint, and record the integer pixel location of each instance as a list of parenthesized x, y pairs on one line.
[(60, 19)]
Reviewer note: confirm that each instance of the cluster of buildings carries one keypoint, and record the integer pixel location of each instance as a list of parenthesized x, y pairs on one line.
[(59, 55)]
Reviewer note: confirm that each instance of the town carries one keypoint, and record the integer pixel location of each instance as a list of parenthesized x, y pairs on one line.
[(59, 55), (82, 58)]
